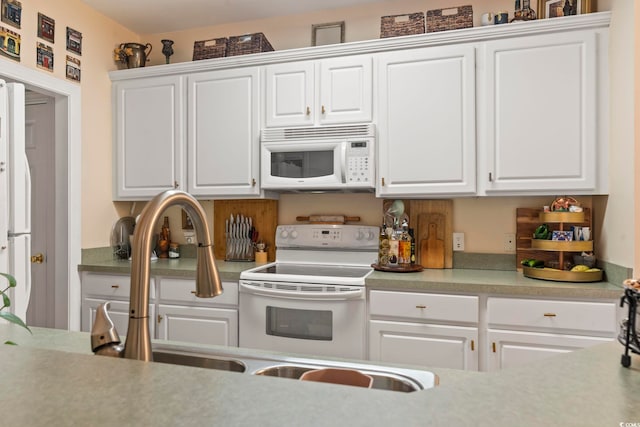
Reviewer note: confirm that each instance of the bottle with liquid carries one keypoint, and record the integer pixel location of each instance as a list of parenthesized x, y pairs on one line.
[(383, 245), (413, 246), (394, 245), (404, 245)]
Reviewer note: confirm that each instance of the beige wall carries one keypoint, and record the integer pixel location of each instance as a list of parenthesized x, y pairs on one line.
[(484, 220), (100, 36)]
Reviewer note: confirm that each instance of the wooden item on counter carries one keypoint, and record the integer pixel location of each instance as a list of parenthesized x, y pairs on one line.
[(328, 219), (265, 221), (432, 248), (439, 212), (400, 268)]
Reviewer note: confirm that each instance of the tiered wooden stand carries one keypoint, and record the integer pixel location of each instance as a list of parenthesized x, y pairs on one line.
[(556, 250)]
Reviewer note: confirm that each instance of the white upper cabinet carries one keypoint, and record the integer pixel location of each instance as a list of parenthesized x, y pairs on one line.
[(223, 133), (426, 122), (329, 91), (149, 136), (541, 121)]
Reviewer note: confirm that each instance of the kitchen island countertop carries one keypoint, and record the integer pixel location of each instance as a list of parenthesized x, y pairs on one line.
[(474, 281), (45, 386)]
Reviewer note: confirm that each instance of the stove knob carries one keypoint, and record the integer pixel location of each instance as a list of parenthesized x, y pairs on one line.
[(359, 235), (284, 234), (294, 234), (370, 235)]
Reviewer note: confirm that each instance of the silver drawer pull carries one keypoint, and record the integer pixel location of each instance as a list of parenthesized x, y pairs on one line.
[(193, 292), (421, 306), (115, 286), (549, 315)]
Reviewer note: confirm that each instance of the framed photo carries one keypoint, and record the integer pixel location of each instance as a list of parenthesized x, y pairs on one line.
[(74, 41), (44, 57), (11, 44), (46, 28), (557, 8), (329, 33), (12, 12), (73, 68), (186, 221)]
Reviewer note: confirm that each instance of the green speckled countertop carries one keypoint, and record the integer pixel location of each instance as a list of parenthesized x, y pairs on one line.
[(471, 281), (44, 387)]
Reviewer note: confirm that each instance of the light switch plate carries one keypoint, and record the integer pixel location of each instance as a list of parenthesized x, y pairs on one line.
[(509, 242)]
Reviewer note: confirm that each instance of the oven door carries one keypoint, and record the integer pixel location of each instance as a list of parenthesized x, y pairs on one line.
[(303, 165), (321, 320)]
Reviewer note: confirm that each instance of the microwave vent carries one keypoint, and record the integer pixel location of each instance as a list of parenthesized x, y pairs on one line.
[(319, 133)]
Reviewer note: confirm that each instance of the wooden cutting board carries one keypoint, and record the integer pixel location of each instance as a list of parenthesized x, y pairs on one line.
[(431, 226), (425, 212)]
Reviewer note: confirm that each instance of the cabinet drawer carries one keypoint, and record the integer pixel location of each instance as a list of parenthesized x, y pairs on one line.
[(183, 290), (449, 308), (110, 285), (552, 314)]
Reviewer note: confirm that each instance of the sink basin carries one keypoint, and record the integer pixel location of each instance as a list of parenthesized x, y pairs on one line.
[(381, 381), (199, 361), (384, 377)]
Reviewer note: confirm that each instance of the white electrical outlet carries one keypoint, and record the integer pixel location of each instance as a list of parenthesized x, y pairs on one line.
[(509, 242), (458, 241)]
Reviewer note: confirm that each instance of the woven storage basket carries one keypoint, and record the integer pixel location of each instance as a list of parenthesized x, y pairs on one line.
[(402, 25), (207, 49), (248, 43), (450, 18)]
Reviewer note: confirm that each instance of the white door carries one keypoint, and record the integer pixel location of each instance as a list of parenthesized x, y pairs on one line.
[(40, 148), (346, 90), (426, 122), (516, 348), (201, 325), (423, 344), (541, 118), (223, 134)]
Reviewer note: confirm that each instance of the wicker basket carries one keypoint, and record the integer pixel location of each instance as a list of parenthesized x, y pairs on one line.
[(207, 49), (248, 43), (452, 18), (401, 25)]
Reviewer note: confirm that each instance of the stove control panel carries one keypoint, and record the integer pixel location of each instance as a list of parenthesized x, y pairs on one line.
[(327, 236)]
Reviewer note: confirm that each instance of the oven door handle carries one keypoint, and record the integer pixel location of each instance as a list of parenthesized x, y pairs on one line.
[(253, 289)]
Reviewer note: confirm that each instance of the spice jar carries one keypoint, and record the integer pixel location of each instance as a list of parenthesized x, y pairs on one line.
[(174, 250)]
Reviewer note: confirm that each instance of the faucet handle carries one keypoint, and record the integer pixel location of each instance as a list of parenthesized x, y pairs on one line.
[(104, 336)]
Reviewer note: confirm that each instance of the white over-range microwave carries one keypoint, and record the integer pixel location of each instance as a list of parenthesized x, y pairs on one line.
[(328, 158)]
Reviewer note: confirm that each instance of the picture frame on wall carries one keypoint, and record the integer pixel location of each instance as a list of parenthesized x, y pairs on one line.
[(46, 28), (329, 33), (73, 68), (12, 12), (74, 41), (558, 8), (11, 45), (44, 57)]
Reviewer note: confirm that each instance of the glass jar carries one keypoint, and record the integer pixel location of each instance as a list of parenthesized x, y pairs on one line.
[(174, 250)]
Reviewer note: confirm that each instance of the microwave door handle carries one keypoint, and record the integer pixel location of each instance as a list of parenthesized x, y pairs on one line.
[(252, 289), (343, 156)]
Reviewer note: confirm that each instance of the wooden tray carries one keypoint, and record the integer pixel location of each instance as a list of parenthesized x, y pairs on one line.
[(562, 275), (411, 268)]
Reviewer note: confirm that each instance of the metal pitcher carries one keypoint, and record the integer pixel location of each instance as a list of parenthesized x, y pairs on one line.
[(136, 54)]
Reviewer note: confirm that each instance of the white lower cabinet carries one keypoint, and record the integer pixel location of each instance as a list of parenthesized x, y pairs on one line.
[(431, 330), (176, 314), (184, 317), (525, 330), (113, 288)]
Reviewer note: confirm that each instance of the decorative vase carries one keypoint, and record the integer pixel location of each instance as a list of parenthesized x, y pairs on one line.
[(167, 49)]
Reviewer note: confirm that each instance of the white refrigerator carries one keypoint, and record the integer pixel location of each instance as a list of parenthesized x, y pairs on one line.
[(15, 197)]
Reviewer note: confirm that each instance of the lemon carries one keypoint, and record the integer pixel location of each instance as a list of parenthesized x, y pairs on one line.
[(580, 268), (592, 270)]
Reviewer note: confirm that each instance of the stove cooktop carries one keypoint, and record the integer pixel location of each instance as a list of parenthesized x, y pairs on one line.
[(309, 273)]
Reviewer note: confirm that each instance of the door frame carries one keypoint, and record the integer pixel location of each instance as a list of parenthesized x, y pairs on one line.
[(68, 212)]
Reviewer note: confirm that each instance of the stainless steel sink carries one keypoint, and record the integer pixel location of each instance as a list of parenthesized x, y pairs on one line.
[(384, 377)]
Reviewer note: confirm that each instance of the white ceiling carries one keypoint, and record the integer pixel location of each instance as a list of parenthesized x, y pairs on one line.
[(159, 16)]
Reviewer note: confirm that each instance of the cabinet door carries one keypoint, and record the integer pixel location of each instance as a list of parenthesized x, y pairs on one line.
[(423, 344), (223, 154), (201, 325), (289, 94), (427, 133), (541, 113), (118, 312), (346, 90), (149, 137), (516, 348)]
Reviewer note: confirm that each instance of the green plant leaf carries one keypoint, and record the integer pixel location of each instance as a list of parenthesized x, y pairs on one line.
[(5, 300), (10, 343), (10, 317), (10, 278)]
